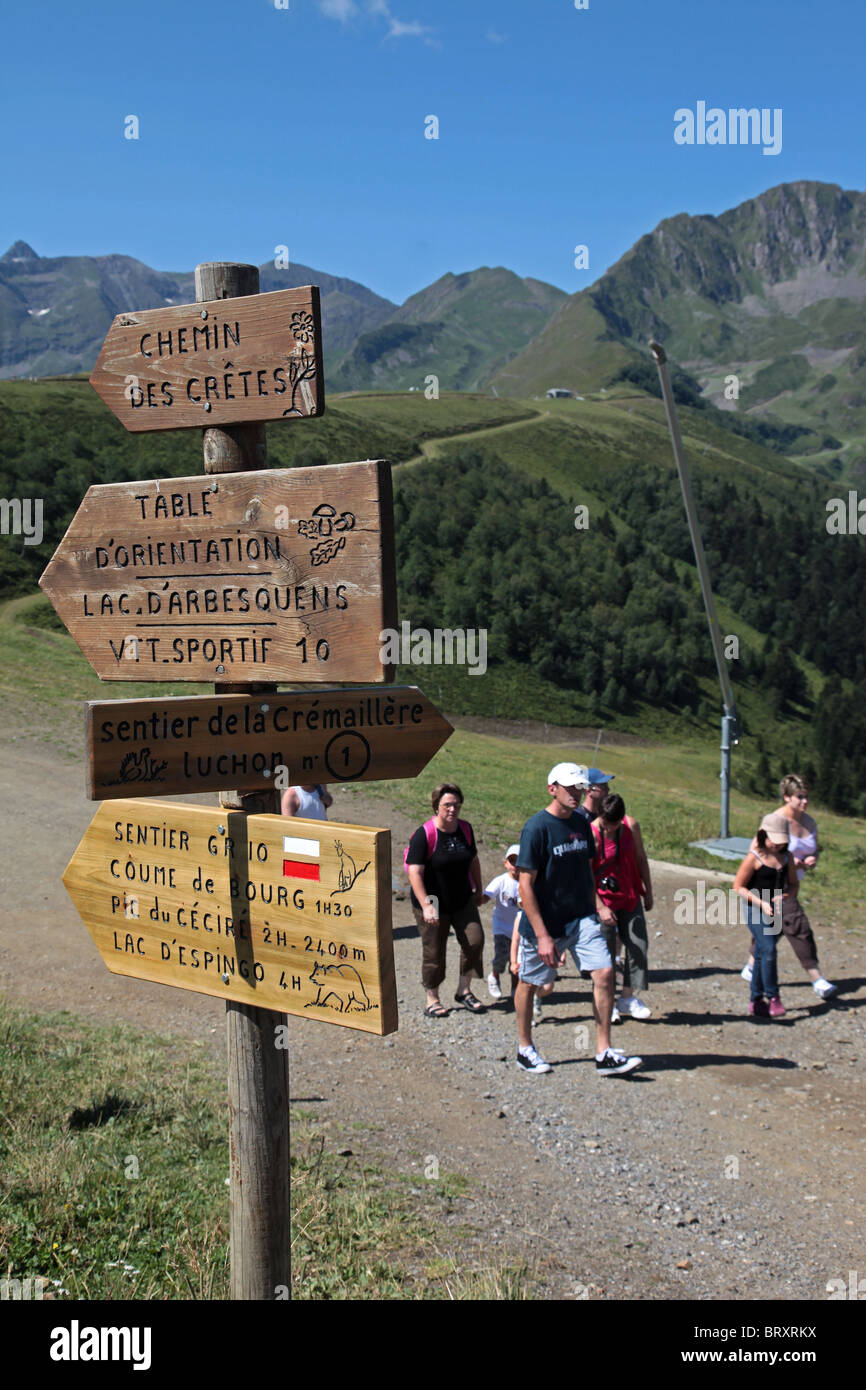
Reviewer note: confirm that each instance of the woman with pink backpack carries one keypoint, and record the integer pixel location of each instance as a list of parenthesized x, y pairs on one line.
[(445, 876)]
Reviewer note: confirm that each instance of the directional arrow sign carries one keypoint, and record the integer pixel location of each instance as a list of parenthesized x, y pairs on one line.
[(257, 357), (201, 743), (286, 914), (283, 574)]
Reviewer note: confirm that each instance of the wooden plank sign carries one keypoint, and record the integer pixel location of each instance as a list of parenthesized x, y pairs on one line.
[(283, 574), (256, 357), (273, 911), (199, 743)]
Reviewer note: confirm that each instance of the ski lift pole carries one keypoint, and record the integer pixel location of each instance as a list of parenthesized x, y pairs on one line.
[(729, 717)]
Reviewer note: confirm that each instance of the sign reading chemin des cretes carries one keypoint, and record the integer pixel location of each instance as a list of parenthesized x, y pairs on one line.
[(254, 358), (285, 914), (283, 574)]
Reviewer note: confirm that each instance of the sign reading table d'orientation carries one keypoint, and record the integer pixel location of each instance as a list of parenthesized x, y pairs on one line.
[(225, 361), (282, 574), (285, 914)]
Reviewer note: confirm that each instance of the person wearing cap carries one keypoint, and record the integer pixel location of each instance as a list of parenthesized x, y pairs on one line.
[(598, 786), (559, 914), (504, 890), (766, 873), (803, 848)]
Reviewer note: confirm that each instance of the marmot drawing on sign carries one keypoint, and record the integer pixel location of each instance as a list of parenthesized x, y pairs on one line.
[(348, 871), (343, 984)]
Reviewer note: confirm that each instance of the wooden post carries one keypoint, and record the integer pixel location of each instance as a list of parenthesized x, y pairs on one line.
[(258, 1071)]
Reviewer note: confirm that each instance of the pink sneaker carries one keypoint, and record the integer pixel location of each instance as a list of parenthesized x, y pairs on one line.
[(758, 1008), (777, 1008)]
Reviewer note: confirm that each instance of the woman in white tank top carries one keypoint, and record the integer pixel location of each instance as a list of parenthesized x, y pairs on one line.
[(803, 848), (310, 803)]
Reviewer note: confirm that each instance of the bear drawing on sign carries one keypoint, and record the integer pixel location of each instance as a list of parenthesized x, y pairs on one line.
[(348, 872), (343, 985)]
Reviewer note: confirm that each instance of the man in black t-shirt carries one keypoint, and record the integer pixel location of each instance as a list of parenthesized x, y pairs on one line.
[(559, 914)]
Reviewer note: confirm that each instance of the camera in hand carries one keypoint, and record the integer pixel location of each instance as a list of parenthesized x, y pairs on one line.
[(610, 883)]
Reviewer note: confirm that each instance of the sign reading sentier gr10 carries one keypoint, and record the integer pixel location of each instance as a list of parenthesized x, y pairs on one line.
[(283, 574), (286, 914)]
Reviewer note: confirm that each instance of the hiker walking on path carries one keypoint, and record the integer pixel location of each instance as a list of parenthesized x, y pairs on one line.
[(803, 848), (445, 877), (764, 875), (504, 890), (620, 884), (559, 915)]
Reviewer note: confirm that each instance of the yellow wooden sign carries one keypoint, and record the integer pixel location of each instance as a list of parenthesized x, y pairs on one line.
[(286, 914)]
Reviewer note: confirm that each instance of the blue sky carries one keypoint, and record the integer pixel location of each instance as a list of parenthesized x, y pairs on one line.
[(304, 126)]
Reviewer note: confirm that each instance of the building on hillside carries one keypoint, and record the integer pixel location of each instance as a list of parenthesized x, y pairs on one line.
[(555, 392)]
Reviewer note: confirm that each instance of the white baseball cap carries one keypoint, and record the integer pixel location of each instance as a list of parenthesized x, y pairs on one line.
[(568, 775), (512, 849)]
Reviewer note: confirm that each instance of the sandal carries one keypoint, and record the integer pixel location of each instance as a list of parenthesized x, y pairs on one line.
[(436, 1011), (468, 1001)]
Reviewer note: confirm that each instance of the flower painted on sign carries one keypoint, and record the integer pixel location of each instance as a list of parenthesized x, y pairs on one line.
[(300, 369), (302, 327)]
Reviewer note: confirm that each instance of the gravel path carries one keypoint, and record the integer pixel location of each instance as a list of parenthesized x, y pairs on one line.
[(730, 1165)]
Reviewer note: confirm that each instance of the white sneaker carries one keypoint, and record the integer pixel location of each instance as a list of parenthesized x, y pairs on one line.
[(634, 1007), (616, 1063), (536, 1009), (824, 989), (746, 973), (530, 1060), (616, 1016), (493, 988)]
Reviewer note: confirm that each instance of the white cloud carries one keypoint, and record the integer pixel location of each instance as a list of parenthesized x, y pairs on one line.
[(493, 37), (398, 28), (338, 9), (344, 10)]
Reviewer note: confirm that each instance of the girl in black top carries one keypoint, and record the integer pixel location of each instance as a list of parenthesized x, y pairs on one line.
[(763, 877), (446, 892)]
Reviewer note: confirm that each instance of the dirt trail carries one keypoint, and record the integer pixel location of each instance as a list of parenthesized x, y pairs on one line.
[(730, 1165), (429, 447)]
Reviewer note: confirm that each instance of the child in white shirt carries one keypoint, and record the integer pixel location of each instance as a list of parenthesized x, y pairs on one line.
[(503, 890)]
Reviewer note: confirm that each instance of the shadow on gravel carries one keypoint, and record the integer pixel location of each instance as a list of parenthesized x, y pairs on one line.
[(404, 933), (687, 1061), (696, 973)]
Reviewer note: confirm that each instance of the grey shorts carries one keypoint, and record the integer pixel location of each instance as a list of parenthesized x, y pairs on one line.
[(585, 940)]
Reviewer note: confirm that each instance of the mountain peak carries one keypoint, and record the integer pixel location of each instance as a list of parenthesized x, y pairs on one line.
[(19, 251)]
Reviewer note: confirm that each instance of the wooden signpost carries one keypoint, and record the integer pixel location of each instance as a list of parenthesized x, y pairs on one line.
[(259, 358), (280, 574), (198, 743), (285, 914), (246, 576)]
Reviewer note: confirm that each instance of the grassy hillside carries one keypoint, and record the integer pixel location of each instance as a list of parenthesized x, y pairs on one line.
[(595, 624), (461, 329), (770, 293)]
